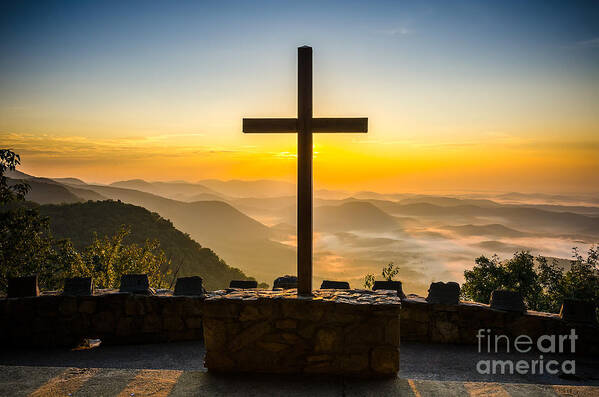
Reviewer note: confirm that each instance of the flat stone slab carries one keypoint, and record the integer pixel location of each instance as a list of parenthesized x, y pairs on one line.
[(578, 311), (328, 284), (136, 284), (189, 286), (285, 282), (444, 293), (78, 286), (509, 301), (243, 284), (389, 285), (19, 287), (353, 296)]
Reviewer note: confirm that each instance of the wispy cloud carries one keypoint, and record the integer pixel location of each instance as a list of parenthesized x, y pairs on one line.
[(397, 31), (285, 155), (46, 146), (592, 43), (171, 136)]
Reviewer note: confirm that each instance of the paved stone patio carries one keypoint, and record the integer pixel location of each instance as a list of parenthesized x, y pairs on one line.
[(176, 369), (60, 381)]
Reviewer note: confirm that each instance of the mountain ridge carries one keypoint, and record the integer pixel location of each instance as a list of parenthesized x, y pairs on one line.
[(79, 221)]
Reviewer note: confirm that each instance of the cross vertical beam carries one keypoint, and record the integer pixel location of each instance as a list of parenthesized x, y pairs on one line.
[(304, 125), (304, 170)]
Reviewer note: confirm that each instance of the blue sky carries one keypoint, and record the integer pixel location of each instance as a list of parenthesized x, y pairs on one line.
[(448, 71), (98, 52)]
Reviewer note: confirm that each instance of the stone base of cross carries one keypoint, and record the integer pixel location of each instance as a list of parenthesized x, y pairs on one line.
[(304, 125)]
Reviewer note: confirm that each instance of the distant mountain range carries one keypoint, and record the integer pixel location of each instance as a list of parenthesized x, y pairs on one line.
[(351, 216), (46, 191), (525, 218), (362, 230), (547, 198), (70, 181), (258, 188), (174, 190), (493, 230)]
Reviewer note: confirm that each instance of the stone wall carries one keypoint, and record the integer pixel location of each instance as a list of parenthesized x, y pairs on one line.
[(122, 318), (334, 332), (113, 317), (437, 323)]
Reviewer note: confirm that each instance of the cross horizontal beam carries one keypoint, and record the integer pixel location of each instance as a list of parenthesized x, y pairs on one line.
[(359, 124), (350, 125), (269, 125)]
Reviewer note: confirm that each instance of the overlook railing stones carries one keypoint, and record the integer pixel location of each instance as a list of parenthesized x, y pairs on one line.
[(19, 287), (189, 286), (136, 284), (578, 311), (285, 282), (328, 284), (243, 284), (78, 286), (444, 293), (389, 285), (510, 301)]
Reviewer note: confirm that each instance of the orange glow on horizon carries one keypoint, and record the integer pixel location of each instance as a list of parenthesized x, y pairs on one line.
[(340, 162)]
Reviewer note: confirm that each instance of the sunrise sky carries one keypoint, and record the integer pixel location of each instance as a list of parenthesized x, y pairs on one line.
[(460, 95)]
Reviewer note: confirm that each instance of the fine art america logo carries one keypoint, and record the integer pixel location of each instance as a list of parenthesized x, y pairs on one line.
[(545, 344)]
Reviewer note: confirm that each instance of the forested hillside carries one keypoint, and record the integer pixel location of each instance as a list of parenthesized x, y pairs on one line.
[(79, 221)]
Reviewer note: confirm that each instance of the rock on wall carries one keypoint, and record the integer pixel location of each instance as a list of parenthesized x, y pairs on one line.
[(335, 332)]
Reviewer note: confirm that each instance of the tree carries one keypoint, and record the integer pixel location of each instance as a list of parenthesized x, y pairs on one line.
[(390, 271), (550, 279), (543, 287), (26, 244), (582, 280), (521, 277), (27, 247), (107, 259), (8, 162), (486, 276), (369, 281)]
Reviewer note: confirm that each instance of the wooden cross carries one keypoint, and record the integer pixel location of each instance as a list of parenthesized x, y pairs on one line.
[(305, 125)]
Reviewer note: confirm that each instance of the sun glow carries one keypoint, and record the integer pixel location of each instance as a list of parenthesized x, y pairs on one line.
[(340, 162)]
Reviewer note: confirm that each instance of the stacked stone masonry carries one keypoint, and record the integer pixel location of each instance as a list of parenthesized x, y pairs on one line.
[(334, 332), (459, 324), (113, 317), (123, 318)]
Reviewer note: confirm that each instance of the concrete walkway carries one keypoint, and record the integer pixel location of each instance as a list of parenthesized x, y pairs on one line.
[(177, 370)]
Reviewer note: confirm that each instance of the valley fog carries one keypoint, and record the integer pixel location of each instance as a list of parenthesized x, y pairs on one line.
[(355, 237)]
